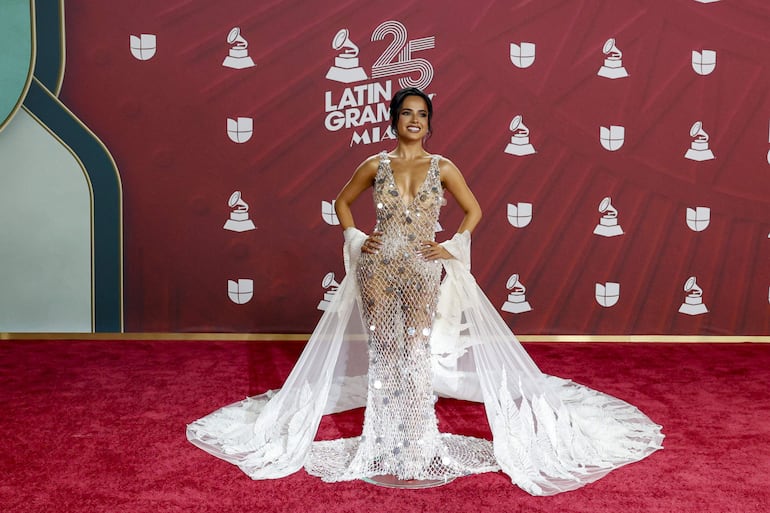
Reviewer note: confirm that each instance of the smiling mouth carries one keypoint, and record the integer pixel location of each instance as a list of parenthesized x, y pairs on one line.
[(413, 128)]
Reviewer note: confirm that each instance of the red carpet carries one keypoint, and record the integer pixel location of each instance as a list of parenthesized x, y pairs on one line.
[(99, 427)]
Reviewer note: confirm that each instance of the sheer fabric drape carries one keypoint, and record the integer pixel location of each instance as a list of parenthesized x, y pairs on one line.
[(549, 435)]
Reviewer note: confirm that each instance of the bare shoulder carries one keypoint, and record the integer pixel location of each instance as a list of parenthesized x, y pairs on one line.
[(371, 161), (447, 168), (368, 168)]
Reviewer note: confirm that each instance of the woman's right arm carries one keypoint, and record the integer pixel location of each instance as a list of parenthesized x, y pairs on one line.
[(362, 179)]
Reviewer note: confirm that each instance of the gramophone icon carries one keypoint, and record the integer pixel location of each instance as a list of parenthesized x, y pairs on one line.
[(699, 147), (331, 286), (517, 299), (239, 217), (346, 68), (238, 57), (519, 144), (608, 224), (613, 63), (693, 301)]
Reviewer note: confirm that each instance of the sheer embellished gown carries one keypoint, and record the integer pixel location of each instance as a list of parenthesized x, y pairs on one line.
[(396, 336), (399, 294)]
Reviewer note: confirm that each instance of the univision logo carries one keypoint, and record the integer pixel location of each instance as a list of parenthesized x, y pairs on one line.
[(520, 214), (523, 54), (143, 47)]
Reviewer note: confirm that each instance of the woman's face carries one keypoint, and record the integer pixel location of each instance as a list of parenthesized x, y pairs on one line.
[(413, 118)]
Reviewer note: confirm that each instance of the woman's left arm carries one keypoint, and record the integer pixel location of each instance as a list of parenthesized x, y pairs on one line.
[(453, 181)]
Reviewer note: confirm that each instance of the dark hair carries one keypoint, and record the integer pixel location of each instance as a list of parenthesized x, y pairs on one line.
[(398, 100)]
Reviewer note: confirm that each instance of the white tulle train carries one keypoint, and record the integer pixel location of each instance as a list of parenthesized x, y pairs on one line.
[(549, 435)]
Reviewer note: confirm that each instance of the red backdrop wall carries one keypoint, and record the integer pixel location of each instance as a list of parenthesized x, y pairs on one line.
[(164, 120)]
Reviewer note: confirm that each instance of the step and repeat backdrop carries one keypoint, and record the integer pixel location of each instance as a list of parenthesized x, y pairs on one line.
[(620, 151)]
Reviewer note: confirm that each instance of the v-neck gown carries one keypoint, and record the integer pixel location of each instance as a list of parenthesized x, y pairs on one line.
[(414, 338), (399, 293)]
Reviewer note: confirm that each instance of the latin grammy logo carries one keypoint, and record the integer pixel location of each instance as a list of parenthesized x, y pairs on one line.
[(240, 292), (331, 287), (240, 130), (328, 214), (608, 224), (698, 218), (704, 62), (519, 144), (143, 46), (699, 147), (517, 301), (239, 216), (397, 58), (238, 56), (607, 294), (346, 68), (520, 214), (613, 63), (693, 301), (612, 138), (523, 54)]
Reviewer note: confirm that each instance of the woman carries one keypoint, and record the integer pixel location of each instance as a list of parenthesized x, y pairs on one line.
[(415, 337), (398, 276)]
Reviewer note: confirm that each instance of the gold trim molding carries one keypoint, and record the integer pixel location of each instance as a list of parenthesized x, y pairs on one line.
[(272, 337)]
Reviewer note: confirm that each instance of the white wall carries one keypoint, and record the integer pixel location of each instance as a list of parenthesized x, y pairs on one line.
[(45, 233)]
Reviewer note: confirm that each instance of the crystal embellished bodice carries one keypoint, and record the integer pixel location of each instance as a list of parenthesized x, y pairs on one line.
[(405, 224)]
